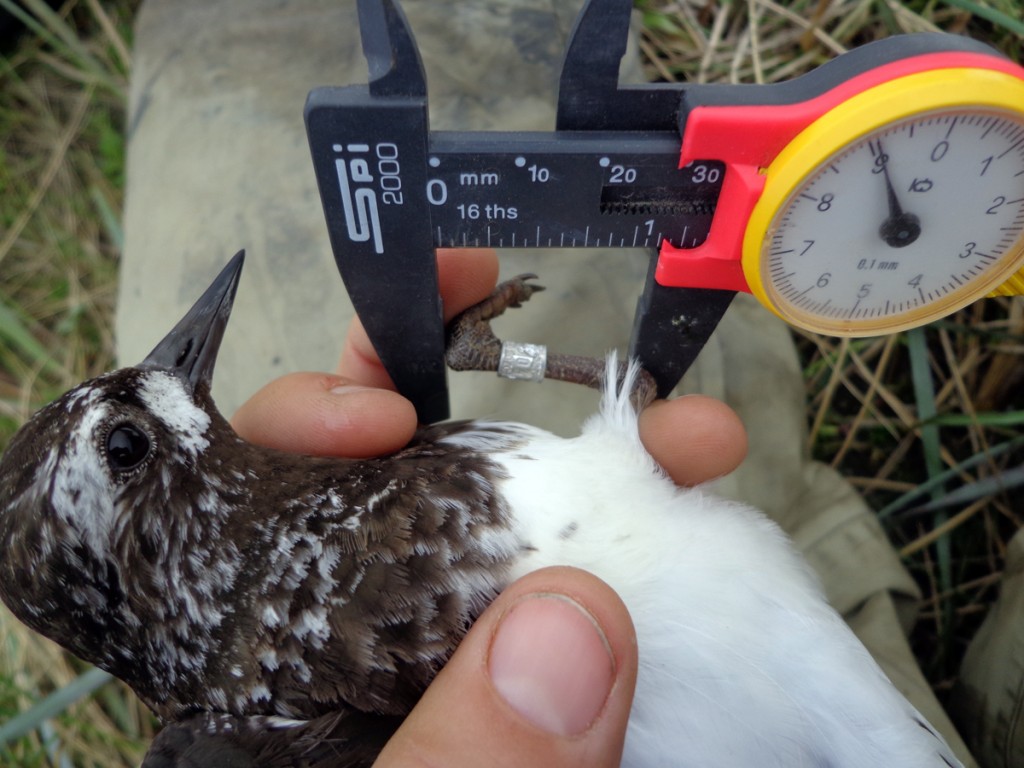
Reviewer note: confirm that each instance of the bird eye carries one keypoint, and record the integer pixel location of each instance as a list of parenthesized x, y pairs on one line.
[(127, 447)]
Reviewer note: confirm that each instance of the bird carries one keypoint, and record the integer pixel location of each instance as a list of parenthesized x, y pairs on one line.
[(276, 609)]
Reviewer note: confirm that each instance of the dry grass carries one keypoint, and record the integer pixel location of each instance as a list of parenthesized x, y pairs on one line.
[(62, 95), (61, 176)]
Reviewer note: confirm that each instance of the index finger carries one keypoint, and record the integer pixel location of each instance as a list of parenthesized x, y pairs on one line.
[(465, 276)]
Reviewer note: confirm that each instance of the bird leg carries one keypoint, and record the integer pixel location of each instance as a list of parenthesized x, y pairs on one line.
[(473, 346)]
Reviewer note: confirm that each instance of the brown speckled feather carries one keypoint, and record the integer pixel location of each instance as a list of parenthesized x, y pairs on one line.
[(348, 593)]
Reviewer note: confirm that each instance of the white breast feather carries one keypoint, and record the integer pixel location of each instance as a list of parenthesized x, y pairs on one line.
[(742, 662)]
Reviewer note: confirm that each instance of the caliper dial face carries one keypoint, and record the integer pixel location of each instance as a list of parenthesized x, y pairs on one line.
[(903, 225)]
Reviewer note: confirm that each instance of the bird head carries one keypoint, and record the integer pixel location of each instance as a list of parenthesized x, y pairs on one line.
[(102, 492)]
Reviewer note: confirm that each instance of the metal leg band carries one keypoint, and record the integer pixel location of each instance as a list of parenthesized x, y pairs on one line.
[(524, 362)]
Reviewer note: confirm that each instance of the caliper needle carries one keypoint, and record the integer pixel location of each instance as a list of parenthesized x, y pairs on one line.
[(900, 228)]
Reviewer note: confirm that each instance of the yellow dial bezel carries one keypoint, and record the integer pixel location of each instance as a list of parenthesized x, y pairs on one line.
[(849, 123)]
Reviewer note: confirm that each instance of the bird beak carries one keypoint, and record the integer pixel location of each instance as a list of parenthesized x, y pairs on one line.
[(189, 351)]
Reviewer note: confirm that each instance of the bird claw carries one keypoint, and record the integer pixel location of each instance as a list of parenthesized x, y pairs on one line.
[(507, 295)]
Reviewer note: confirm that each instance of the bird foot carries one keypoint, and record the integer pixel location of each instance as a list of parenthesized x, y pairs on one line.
[(472, 345)]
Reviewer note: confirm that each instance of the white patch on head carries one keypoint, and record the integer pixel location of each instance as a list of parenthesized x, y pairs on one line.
[(80, 486), (87, 393), (166, 399)]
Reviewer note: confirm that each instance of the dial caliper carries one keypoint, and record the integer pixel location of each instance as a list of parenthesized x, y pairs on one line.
[(881, 191)]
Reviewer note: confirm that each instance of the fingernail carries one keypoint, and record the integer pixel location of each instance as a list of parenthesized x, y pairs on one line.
[(552, 663), (345, 389)]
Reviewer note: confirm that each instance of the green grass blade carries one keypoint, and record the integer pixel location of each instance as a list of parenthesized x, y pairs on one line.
[(979, 489), (1004, 419), (952, 473), (924, 396), (53, 705), (111, 223), (17, 335), (997, 17), (887, 17), (50, 27)]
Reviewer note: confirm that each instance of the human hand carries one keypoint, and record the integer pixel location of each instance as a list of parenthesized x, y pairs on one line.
[(544, 677), (546, 674)]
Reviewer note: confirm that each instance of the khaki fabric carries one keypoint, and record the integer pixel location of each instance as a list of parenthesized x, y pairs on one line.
[(989, 701), (218, 161)]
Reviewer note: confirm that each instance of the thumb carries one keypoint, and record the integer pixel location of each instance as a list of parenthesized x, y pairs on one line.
[(544, 677)]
